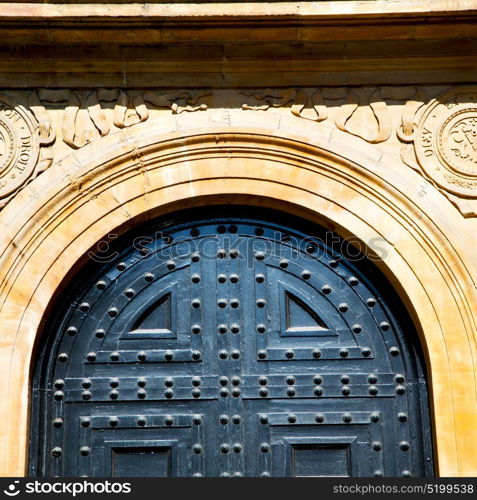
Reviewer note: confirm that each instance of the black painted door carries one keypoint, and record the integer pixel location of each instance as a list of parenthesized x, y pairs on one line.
[(230, 347)]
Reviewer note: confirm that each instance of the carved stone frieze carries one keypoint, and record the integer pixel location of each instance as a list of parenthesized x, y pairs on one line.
[(308, 105), (375, 123), (437, 138), (85, 119)]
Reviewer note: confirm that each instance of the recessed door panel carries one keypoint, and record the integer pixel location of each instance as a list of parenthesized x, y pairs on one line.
[(141, 460)]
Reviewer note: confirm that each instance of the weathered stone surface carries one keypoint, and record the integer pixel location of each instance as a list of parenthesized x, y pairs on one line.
[(368, 128)]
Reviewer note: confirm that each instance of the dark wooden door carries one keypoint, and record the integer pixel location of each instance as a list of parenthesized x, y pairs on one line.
[(230, 347)]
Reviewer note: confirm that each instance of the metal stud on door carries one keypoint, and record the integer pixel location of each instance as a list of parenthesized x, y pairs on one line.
[(230, 347)]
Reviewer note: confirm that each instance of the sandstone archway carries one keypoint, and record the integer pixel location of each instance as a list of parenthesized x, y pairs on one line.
[(137, 174)]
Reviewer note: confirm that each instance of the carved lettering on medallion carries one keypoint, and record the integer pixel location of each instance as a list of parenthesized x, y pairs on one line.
[(20, 159), (446, 141)]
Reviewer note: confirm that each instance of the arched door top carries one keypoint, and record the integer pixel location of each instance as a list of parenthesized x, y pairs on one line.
[(226, 345)]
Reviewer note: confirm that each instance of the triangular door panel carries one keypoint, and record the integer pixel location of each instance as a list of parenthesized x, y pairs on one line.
[(157, 317), (155, 321), (299, 318)]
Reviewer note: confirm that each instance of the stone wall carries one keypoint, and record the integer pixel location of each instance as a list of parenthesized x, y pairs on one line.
[(359, 115)]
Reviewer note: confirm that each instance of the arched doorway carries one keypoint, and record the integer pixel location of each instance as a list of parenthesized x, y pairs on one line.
[(246, 343)]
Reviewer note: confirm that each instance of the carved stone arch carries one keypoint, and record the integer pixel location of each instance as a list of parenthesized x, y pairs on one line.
[(133, 175)]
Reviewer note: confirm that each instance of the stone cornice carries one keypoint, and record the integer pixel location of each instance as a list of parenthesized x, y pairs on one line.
[(225, 44), (36, 10)]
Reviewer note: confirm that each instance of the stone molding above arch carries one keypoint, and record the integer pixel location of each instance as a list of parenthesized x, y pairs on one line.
[(431, 128), (268, 159)]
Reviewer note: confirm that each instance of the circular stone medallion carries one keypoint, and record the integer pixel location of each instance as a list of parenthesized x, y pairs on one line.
[(446, 141), (19, 147)]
